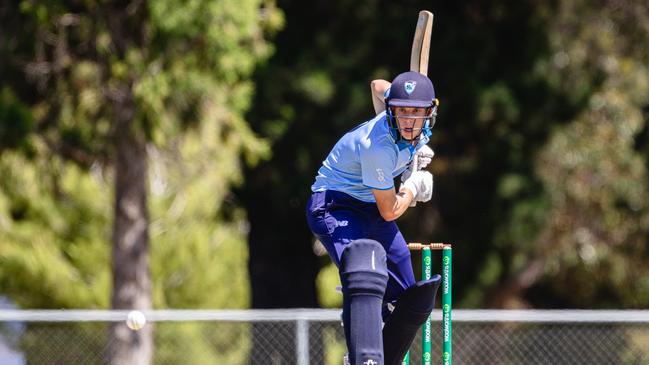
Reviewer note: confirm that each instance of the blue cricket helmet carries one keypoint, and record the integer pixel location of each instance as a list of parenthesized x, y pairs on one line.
[(411, 89)]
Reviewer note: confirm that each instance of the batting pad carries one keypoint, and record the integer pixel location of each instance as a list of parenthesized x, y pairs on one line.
[(411, 311), (364, 277)]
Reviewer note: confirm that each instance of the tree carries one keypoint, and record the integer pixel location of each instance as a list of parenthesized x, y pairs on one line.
[(110, 81)]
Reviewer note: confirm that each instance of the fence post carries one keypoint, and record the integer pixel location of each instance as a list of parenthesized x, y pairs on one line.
[(302, 341)]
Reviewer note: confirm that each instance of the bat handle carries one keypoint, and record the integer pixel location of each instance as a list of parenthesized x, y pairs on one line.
[(414, 166)]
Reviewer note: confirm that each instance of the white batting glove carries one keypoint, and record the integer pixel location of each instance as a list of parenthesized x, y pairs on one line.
[(424, 156), (420, 160), (420, 184)]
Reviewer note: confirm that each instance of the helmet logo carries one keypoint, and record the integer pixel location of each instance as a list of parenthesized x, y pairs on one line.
[(409, 86)]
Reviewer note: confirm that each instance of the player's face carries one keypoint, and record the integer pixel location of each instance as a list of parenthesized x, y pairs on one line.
[(410, 120)]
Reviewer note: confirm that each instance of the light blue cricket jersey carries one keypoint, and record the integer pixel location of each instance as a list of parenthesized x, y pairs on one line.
[(365, 158)]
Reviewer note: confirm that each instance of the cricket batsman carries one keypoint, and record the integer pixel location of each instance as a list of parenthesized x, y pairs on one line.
[(352, 211)]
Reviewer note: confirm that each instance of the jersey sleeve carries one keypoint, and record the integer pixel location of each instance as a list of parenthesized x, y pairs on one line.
[(377, 165)]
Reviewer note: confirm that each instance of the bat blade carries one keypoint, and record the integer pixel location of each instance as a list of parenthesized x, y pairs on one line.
[(421, 43)]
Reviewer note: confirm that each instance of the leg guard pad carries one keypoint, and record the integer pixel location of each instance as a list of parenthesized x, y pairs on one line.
[(364, 277), (412, 309)]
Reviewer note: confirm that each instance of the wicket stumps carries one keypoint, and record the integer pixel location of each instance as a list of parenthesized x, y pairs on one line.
[(447, 324)]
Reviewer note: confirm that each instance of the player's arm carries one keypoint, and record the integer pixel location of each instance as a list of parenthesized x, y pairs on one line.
[(392, 204), (376, 158), (378, 88)]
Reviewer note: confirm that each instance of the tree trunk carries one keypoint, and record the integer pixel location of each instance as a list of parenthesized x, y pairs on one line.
[(126, 21), (130, 253)]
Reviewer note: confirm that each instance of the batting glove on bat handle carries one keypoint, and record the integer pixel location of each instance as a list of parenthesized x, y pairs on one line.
[(414, 166), (423, 157)]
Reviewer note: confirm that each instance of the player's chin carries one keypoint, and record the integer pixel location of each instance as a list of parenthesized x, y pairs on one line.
[(408, 135)]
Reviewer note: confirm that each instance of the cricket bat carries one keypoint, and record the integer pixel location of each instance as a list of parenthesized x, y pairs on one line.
[(419, 55), (421, 43)]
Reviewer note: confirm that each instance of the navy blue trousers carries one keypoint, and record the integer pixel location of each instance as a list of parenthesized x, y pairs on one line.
[(337, 219)]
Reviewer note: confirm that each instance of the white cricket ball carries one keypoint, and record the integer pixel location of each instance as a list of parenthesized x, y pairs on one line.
[(135, 320)]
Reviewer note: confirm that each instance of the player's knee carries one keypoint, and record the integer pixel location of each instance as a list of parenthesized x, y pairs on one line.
[(363, 268)]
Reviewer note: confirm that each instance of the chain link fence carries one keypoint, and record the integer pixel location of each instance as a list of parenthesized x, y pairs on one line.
[(316, 337)]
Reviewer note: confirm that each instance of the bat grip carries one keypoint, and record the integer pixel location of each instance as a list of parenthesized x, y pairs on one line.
[(414, 165)]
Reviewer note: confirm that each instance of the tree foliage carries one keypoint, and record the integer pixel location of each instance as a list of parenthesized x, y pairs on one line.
[(99, 93), (592, 170), (191, 88)]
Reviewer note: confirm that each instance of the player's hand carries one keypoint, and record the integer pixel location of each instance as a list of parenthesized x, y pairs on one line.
[(420, 184), (420, 160), (424, 156)]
